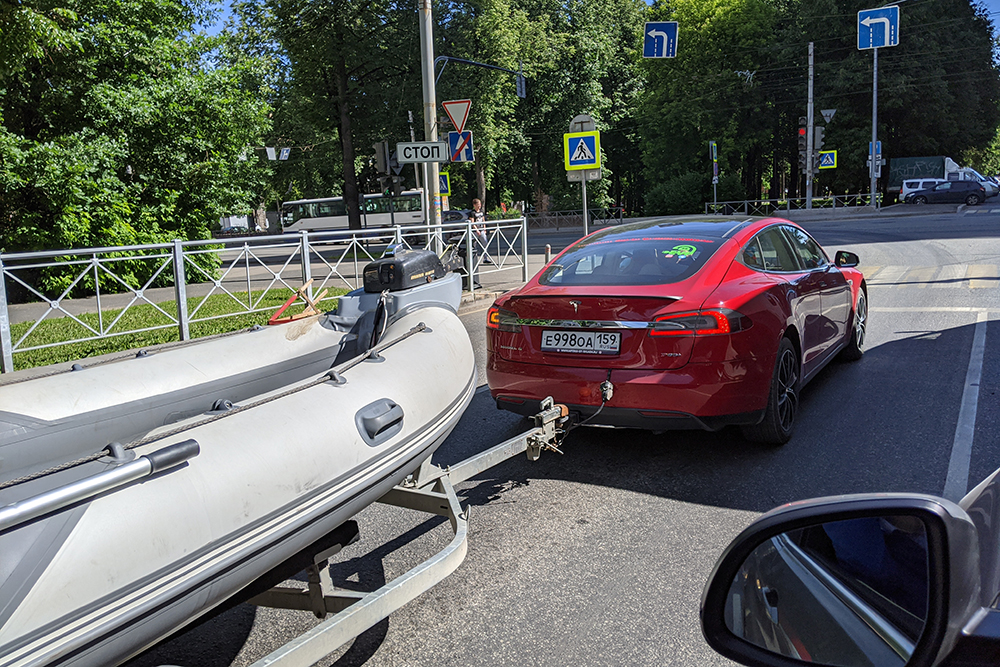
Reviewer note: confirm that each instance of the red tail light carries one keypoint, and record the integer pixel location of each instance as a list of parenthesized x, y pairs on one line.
[(502, 320), (700, 323)]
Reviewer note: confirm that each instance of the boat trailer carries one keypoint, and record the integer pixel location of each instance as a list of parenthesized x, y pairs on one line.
[(430, 489)]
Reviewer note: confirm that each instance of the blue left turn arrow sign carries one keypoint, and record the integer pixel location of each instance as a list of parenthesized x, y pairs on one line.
[(660, 40)]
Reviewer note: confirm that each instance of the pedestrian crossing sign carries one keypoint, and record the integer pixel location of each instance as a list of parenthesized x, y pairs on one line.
[(828, 159), (582, 150)]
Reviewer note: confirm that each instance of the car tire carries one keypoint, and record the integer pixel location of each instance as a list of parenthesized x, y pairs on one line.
[(782, 400), (855, 348), (920, 200), (972, 200)]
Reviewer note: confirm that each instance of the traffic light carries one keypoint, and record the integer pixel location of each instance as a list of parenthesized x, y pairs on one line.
[(818, 133), (381, 157), (803, 146), (392, 186)]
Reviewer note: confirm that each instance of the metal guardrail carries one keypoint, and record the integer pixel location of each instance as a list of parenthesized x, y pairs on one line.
[(248, 269), (775, 206), (558, 219)]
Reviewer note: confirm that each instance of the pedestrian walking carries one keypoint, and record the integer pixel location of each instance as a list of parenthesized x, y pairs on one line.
[(479, 229)]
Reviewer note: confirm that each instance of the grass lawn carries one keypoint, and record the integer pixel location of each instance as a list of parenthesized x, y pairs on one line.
[(144, 316)]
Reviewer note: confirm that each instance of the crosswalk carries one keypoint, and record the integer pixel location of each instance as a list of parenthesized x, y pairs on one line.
[(981, 211), (951, 276)]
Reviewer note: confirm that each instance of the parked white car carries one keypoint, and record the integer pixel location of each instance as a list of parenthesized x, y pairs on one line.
[(918, 184)]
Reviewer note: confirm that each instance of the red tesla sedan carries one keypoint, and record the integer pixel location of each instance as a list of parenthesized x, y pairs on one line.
[(679, 323)]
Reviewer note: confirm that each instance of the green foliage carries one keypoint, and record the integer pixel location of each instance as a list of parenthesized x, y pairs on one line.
[(682, 194), (122, 125), (133, 138), (740, 79), (32, 30)]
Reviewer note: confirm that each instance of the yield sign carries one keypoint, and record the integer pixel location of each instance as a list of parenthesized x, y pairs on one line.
[(458, 112)]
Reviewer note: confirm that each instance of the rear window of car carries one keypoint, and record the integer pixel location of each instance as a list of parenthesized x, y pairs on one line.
[(928, 184), (631, 261), (912, 184)]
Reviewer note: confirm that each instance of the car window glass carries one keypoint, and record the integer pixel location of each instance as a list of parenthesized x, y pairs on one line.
[(406, 204), (808, 251), (928, 184), (753, 256), (610, 260), (944, 186), (911, 184), (775, 252)]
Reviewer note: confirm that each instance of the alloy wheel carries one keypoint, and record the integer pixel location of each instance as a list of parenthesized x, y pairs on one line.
[(860, 321), (788, 378)]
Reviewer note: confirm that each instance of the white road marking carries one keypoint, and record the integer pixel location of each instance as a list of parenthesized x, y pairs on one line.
[(957, 482), (922, 277), (952, 275), (890, 274), (928, 309), (988, 271)]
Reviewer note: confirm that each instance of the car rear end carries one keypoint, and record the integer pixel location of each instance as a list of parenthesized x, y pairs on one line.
[(618, 328)]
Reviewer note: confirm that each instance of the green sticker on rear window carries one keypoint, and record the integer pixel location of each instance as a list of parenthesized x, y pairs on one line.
[(680, 251)]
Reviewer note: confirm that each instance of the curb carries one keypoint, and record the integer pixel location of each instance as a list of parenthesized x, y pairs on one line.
[(472, 301)]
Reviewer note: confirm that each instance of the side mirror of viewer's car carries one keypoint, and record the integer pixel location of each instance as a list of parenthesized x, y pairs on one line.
[(855, 581), (845, 259)]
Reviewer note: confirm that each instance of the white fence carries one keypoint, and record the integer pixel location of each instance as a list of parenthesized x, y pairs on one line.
[(97, 287)]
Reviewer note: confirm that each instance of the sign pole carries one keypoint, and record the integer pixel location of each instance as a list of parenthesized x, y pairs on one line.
[(430, 116), (874, 165), (809, 134), (584, 184)]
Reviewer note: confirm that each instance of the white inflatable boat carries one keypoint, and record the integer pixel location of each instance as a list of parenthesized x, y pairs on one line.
[(139, 495)]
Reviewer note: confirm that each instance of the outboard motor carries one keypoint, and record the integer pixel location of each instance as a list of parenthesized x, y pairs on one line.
[(394, 285), (403, 270)]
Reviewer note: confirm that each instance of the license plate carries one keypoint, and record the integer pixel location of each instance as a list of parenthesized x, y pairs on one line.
[(585, 342)]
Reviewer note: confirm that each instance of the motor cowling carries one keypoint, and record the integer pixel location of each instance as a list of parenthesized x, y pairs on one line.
[(405, 269)]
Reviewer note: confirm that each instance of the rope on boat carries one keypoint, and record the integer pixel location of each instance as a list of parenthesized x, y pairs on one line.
[(332, 374)]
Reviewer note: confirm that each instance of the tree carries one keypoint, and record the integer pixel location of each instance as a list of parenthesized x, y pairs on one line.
[(355, 74), (31, 30), (131, 139)]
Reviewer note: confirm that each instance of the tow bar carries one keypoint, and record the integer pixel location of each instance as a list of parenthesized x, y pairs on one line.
[(430, 489)]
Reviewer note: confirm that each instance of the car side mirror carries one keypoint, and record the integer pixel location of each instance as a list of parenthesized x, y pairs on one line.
[(845, 259), (849, 581)]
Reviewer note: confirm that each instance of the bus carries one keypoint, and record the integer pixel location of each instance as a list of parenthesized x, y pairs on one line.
[(331, 212)]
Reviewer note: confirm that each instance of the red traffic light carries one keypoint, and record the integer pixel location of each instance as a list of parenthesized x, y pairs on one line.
[(802, 131)]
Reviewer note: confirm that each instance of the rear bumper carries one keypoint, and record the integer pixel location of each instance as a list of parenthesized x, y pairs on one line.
[(697, 396)]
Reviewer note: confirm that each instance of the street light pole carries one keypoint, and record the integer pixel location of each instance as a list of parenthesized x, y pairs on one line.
[(430, 112)]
